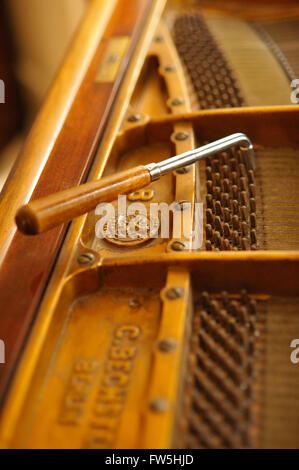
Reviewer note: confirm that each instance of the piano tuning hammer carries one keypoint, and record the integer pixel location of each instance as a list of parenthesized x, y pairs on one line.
[(47, 212)]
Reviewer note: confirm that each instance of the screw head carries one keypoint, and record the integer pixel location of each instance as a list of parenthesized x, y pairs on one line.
[(113, 58), (159, 405), (177, 101), (181, 205), (170, 68), (167, 345), (174, 293), (86, 259), (177, 246), (134, 302), (134, 118), (159, 38), (181, 135)]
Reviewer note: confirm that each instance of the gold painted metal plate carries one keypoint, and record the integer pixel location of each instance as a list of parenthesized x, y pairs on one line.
[(100, 351), (111, 61)]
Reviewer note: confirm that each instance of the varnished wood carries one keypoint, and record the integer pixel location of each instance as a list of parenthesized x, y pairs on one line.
[(45, 213)]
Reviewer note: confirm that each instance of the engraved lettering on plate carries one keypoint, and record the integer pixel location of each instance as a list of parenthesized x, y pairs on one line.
[(77, 392), (111, 395)]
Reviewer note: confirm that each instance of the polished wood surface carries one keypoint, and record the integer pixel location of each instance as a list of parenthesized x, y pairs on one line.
[(45, 213)]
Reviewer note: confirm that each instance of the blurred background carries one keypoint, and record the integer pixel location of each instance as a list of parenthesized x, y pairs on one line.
[(34, 37)]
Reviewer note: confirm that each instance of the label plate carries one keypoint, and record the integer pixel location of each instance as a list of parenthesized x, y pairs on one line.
[(112, 59)]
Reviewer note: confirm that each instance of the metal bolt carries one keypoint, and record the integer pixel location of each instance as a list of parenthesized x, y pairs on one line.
[(177, 246), (167, 345), (170, 68), (181, 205), (134, 303), (177, 101), (134, 118), (113, 58), (181, 135), (159, 405), (183, 170), (86, 259), (159, 38), (174, 293)]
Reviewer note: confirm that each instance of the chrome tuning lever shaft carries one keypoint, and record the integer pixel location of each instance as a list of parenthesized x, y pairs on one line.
[(187, 158)]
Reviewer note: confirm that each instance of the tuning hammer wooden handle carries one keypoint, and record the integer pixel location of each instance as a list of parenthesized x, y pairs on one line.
[(42, 214)]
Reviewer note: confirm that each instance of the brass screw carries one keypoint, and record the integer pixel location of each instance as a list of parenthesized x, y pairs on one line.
[(86, 259), (134, 302), (177, 101), (134, 118), (174, 293), (181, 135), (167, 345), (159, 405), (177, 246)]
